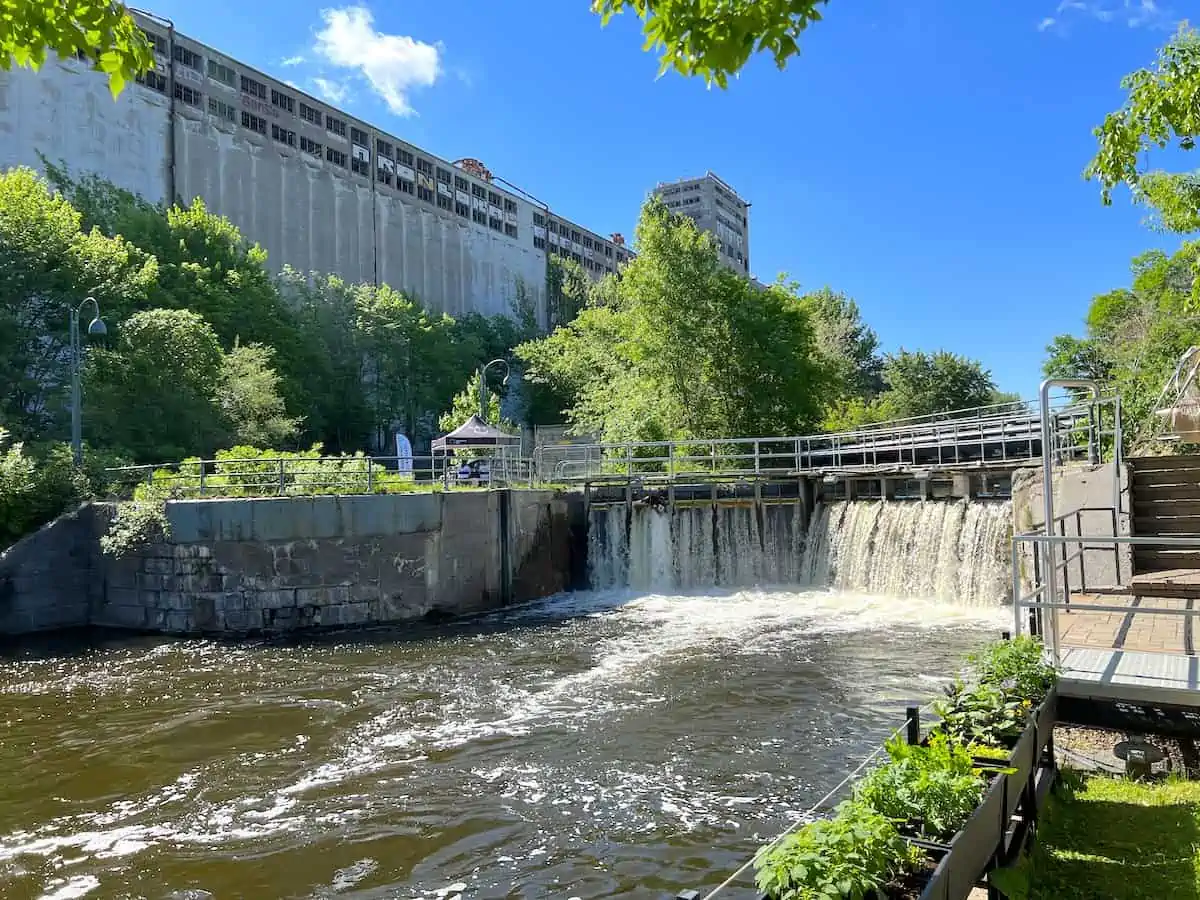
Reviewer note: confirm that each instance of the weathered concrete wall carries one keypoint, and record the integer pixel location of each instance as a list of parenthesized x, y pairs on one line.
[(46, 580), (1080, 487), (307, 213), (279, 565)]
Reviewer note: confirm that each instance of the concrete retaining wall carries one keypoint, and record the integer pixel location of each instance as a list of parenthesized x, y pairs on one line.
[(277, 565)]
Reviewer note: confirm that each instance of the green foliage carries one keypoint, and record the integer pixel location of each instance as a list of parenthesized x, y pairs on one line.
[(653, 361), (920, 384), (135, 524), (466, 404), (715, 38), (1017, 666), (152, 395), (37, 484), (982, 714), (1161, 109), (849, 856), (930, 789), (248, 398), (47, 267), (257, 472), (1135, 337), (849, 344), (103, 31), (1109, 837)]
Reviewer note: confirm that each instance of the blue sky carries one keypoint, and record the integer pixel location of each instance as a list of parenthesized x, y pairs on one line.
[(923, 156)]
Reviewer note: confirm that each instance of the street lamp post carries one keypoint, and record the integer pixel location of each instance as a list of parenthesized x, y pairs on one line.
[(483, 385), (96, 328)]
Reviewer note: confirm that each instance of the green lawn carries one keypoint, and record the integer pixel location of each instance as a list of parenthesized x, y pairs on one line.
[(1105, 837)]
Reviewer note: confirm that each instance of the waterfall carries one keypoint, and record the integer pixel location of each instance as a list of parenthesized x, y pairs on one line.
[(689, 547), (952, 551)]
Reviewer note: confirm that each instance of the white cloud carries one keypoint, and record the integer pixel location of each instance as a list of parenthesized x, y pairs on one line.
[(1134, 13), (333, 91), (292, 61), (393, 64)]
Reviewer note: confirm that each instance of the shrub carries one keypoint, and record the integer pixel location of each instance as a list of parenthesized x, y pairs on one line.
[(39, 483), (1018, 666), (983, 714), (255, 472), (932, 789), (854, 853), (134, 525)]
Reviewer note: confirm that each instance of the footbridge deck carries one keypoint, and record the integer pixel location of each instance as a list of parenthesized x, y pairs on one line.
[(986, 439)]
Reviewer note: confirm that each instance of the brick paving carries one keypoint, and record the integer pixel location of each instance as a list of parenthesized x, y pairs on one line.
[(1128, 630)]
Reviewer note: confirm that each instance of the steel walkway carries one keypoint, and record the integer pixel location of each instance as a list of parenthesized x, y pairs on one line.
[(982, 437)]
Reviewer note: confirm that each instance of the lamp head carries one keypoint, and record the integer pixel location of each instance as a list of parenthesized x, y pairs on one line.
[(97, 328)]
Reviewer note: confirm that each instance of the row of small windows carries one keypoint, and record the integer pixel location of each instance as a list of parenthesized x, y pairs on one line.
[(257, 90)]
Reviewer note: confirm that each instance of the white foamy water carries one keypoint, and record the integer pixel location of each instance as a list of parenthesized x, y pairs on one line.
[(950, 551), (955, 552)]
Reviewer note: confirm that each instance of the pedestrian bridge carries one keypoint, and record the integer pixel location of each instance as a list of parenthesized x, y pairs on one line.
[(991, 439)]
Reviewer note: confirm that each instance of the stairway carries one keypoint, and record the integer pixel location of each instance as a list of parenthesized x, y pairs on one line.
[(1165, 491)]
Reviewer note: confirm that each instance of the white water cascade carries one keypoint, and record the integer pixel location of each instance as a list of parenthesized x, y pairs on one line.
[(699, 546), (950, 551)]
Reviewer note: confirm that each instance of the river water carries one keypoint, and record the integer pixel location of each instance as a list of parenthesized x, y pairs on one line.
[(608, 744)]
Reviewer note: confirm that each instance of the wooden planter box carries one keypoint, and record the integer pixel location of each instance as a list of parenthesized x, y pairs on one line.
[(971, 851)]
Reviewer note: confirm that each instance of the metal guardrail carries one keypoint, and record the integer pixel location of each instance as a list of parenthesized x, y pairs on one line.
[(301, 476), (996, 433), (1048, 595)]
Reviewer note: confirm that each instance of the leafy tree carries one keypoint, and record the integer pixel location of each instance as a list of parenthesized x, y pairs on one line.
[(655, 361), (920, 384), (101, 30), (466, 404), (850, 345), (1161, 108), (152, 395), (568, 290), (715, 38), (47, 267), (247, 395), (1135, 337)]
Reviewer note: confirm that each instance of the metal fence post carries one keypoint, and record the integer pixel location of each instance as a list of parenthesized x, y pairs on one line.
[(281, 475), (370, 476), (201, 478)]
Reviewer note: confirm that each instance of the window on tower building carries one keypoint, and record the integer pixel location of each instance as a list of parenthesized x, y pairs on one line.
[(462, 209), (358, 136), (254, 88), (310, 114), (283, 101), (461, 183), (283, 135), (189, 58), (253, 122), (187, 95), (222, 110), (337, 157), (153, 80), (335, 125), (311, 147), (404, 157), (222, 73)]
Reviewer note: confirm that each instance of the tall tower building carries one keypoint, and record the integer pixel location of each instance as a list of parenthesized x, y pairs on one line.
[(716, 208)]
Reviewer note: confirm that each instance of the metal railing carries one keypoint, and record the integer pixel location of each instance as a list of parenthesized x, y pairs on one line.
[(303, 476), (1037, 610), (997, 433)]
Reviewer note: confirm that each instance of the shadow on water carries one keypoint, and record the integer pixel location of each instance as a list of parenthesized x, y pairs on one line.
[(559, 608)]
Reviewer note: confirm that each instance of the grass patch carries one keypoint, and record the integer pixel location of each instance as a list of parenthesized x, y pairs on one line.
[(1112, 838)]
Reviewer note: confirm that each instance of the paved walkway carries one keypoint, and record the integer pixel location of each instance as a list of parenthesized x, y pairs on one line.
[(1144, 632)]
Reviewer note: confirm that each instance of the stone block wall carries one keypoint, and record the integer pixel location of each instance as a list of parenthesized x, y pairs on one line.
[(233, 566), (47, 580)]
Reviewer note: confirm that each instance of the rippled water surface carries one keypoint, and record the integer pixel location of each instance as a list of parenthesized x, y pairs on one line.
[(589, 745)]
